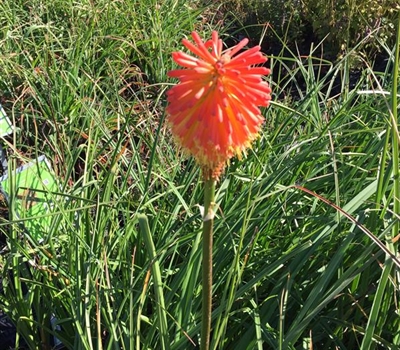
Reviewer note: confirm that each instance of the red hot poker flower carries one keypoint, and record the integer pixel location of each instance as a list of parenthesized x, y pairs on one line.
[(213, 111)]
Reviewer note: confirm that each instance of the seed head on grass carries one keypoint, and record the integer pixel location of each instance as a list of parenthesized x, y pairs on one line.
[(213, 112)]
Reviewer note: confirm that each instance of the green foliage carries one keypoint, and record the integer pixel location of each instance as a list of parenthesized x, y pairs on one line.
[(347, 22), (250, 17), (85, 85), (342, 24)]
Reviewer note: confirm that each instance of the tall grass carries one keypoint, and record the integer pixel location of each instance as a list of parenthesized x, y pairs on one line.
[(120, 266)]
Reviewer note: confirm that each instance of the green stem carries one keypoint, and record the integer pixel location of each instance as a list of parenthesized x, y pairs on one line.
[(395, 132), (208, 221), (396, 146), (158, 286), (383, 293)]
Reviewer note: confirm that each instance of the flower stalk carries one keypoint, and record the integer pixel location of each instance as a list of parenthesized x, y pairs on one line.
[(208, 221), (214, 115)]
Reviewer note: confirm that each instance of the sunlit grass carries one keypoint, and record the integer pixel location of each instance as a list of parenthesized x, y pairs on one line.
[(85, 85)]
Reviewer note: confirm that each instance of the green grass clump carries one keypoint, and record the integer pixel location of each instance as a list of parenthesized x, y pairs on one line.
[(119, 267)]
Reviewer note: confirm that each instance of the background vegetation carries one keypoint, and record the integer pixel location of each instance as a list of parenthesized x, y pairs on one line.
[(342, 24), (84, 83)]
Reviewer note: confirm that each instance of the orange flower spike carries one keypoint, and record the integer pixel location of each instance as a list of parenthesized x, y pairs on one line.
[(214, 110)]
